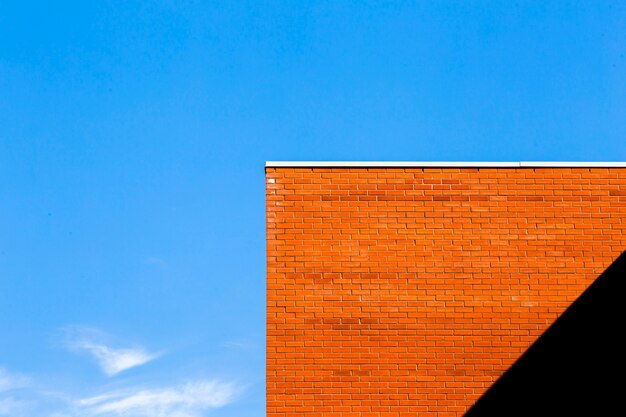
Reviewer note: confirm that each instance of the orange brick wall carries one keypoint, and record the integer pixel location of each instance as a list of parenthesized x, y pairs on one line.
[(403, 292)]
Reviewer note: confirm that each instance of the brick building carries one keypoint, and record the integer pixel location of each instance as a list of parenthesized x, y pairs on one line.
[(444, 289)]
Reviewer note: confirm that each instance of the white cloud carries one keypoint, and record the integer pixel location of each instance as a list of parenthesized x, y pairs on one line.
[(8, 406), (237, 344), (21, 398), (11, 381), (112, 360), (188, 400), (156, 261)]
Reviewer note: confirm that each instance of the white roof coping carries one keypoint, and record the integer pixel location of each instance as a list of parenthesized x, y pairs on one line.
[(442, 164)]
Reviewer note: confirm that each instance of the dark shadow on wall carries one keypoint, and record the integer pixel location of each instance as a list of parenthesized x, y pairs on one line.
[(577, 366)]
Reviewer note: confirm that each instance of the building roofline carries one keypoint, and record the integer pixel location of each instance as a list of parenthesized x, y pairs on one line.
[(441, 164)]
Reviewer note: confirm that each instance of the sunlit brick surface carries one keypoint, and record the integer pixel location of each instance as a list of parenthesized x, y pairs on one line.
[(404, 292)]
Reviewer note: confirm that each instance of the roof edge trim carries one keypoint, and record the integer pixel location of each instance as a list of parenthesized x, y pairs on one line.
[(441, 164)]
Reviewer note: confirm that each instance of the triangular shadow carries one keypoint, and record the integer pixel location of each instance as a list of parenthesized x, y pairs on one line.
[(577, 366)]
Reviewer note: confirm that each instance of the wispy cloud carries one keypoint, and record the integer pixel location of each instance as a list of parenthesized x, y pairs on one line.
[(9, 406), (156, 262), (112, 360), (9, 381), (239, 344), (188, 400), (20, 397)]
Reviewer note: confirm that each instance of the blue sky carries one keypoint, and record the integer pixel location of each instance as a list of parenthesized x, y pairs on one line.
[(133, 137)]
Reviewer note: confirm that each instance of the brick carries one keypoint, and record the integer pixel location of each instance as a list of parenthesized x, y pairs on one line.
[(404, 291)]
